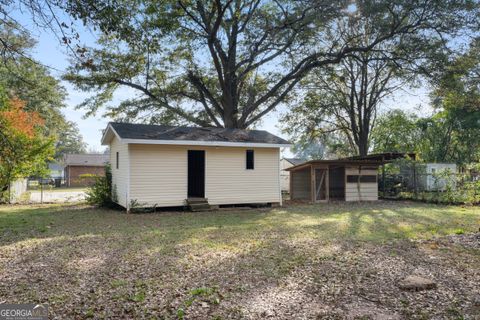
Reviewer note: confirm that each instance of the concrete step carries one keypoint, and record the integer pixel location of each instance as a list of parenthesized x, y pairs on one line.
[(196, 200), (199, 207), (198, 204)]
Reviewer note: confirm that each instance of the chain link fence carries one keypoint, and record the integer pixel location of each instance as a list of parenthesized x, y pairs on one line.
[(42, 190), (440, 183)]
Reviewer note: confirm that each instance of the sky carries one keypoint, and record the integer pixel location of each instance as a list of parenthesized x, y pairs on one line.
[(52, 54)]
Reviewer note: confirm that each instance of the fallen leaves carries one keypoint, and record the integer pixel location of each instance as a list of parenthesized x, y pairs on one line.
[(146, 266)]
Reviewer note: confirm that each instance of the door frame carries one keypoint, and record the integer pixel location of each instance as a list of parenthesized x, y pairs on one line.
[(204, 173), (314, 183)]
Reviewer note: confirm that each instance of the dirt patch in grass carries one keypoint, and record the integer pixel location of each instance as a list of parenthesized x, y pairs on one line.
[(313, 262)]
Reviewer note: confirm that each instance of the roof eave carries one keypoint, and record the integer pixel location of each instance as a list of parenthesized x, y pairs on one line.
[(205, 143), (335, 162), (85, 165), (105, 141)]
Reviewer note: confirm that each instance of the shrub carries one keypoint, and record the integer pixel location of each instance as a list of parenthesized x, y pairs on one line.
[(101, 193)]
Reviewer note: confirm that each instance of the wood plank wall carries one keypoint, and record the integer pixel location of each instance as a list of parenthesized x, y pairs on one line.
[(361, 191)]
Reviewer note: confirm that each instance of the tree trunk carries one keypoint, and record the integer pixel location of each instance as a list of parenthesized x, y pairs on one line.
[(363, 145)]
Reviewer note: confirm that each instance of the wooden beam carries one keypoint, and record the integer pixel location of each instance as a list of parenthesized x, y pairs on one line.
[(312, 184), (318, 187), (291, 185), (327, 191)]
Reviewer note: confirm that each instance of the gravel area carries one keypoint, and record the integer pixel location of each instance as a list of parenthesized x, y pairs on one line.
[(57, 196)]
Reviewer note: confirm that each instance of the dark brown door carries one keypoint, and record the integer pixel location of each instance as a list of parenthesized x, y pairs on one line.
[(196, 173)]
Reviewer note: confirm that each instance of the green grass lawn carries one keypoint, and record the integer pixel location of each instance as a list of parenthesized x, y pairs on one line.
[(303, 261)]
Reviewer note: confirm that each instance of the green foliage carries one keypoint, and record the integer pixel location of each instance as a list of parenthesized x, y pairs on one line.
[(28, 80), (24, 149), (69, 140), (449, 135), (396, 131), (342, 101), (229, 63), (452, 133), (450, 188), (102, 193), (88, 175)]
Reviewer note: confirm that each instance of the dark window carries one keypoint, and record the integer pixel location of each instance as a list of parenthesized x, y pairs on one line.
[(116, 162), (368, 179), (352, 179), (250, 160), (363, 179)]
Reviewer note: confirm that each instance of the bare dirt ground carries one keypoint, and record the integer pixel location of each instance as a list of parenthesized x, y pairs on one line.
[(57, 196), (340, 261)]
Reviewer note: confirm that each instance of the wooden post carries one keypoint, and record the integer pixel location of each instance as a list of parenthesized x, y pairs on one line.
[(9, 190), (41, 190), (383, 180), (291, 185), (415, 181), (327, 191), (312, 184), (359, 186)]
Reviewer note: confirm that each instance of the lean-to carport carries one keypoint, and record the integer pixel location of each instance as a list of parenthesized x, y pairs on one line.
[(324, 180)]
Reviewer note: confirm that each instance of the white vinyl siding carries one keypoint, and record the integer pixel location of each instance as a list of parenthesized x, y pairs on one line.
[(120, 175), (361, 191), (229, 182), (159, 175)]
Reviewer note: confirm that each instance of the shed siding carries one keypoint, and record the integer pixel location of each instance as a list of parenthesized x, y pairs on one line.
[(159, 175), (301, 184), (364, 191), (120, 175)]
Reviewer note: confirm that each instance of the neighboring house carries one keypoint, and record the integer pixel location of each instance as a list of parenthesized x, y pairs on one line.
[(429, 176), (437, 176), (286, 163), (81, 169), (163, 166), (55, 170)]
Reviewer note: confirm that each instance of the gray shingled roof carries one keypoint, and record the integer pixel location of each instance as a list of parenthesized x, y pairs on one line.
[(296, 161), (86, 159), (160, 132)]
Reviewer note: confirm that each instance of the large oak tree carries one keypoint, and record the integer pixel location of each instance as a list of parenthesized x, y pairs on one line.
[(228, 63)]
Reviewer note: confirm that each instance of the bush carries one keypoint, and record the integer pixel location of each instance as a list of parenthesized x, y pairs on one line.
[(452, 188), (102, 193)]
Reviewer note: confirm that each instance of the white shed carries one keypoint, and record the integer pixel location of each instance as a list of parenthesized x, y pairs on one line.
[(164, 166)]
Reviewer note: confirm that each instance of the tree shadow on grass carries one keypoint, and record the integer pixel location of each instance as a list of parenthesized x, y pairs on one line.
[(397, 220), (295, 261)]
